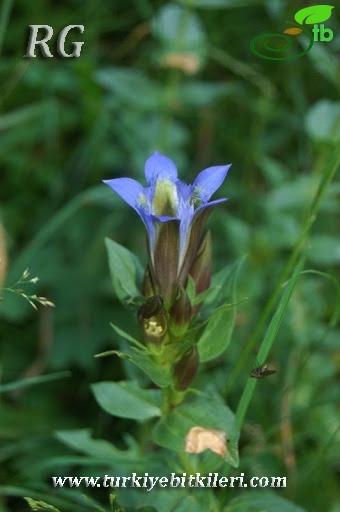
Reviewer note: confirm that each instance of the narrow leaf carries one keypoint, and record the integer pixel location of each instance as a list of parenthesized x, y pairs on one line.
[(32, 381), (40, 505), (144, 360), (82, 441), (127, 400), (127, 337), (269, 338)]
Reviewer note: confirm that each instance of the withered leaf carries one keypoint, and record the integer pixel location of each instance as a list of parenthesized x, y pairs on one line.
[(200, 439)]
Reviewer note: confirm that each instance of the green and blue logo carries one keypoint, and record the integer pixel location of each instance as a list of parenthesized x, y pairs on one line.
[(312, 15)]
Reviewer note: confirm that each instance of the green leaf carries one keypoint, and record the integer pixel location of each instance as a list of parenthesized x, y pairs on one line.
[(178, 500), (269, 338), (178, 27), (313, 14), (32, 381), (292, 195), (82, 441), (260, 501), (122, 84), (40, 505), (28, 114), (98, 452), (198, 94), (127, 336), (336, 313), (144, 360), (324, 250), (127, 400), (217, 334), (125, 270), (158, 374), (66, 500), (323, 121), (207, 412), (221, 288)]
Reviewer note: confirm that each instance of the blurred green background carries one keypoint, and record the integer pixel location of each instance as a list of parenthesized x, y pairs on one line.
[(179, 78)]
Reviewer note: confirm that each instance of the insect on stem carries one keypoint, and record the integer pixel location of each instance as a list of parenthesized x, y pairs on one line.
[(262, 371)]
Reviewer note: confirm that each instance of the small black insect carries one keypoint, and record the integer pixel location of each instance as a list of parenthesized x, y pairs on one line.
[(262, 371)]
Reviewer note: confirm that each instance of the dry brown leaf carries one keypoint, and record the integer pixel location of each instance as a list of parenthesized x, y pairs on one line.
[(187, 62), (200, 439)]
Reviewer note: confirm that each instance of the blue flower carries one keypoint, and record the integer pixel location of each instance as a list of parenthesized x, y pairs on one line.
[(173, 213)]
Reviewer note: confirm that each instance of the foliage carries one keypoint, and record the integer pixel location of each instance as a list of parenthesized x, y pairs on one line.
[(178, 78)]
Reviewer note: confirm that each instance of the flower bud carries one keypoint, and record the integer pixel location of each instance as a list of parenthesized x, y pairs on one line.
[(200, 270), (180, 312), (185, 369), (148, 286), (165, 258)]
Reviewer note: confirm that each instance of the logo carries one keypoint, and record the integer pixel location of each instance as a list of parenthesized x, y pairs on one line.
[(308, 16), (45, 50)]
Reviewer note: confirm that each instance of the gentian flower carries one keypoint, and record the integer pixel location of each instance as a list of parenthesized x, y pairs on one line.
[(174, 214)]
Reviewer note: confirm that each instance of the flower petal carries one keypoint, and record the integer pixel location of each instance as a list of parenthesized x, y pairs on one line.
[(128, 189), (211, 203), (209, 180), (159, 166), (184, 191)]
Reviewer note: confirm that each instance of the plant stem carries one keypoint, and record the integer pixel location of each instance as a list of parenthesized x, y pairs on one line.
[(4, 17), (269, 340), (325, 181)]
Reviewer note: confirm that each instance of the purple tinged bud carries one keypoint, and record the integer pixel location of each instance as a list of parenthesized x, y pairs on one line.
[(148, 286), (193, 243), (201, 268), (185, 369), (180, 312), (165, 259)]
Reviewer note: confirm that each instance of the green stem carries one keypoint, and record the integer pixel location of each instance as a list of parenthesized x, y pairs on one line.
[(171, 398), (268, 341), (4, 17), (325, 181)]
